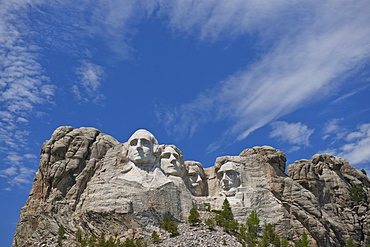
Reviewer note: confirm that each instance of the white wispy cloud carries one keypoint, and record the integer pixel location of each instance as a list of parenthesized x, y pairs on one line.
[(357, 148), (292, 133), (303, 65), (17, 173), (90, 76), (332, 126), (23, 86)]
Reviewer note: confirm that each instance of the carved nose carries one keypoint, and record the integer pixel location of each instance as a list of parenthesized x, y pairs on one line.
[(225, 177), (139, 145), (199, 179)]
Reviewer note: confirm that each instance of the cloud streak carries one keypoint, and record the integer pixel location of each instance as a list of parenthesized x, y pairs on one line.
[(301, 67), (293, 133), (23, 86), (90, 76), (356, 150)]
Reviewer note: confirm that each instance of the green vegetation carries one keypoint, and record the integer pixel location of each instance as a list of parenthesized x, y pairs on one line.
[(168, 225), (249, 234), (363, 171), (194, 217), (208, 207), (357, 193), (155, 237), (61, 232), (78, 235), (226, 219), (252, 228), (210, 223), (269, 236), (92, 241), (303, 241), (350, 243)]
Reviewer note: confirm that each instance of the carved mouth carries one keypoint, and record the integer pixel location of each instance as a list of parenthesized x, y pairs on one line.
[(195, 184)]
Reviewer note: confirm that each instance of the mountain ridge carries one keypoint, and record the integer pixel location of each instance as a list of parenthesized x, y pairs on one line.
[(88, 180)]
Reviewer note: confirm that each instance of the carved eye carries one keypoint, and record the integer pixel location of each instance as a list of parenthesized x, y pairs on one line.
[(166, 155), (145, 142), (133, 142), (176, 156), (231, 174)]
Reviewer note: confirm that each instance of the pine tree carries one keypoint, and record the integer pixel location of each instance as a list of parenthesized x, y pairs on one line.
[(78, 235), (155, 237), (357, 193), (269, 237), (226, 210), (303, 241), (252, 228), (284, 242), (168, 225), (209, 223), (61, 232), (194, 217)]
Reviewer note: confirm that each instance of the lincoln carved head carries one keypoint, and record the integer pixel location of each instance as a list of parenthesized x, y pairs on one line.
[(228, 176)]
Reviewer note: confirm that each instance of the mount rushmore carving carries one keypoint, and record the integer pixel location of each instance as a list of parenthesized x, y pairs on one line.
[(88, 180)]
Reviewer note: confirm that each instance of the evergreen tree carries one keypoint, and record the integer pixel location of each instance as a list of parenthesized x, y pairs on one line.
[(363, 171), (209, 223), (155, 237), (269, 236), (194, 217), (225, 218), (242, 235), (226, 211), (303, 242), (92, 240), (357, 193), (168, 225), (61, 232), (252, 228), (284, 242), (78, 235)]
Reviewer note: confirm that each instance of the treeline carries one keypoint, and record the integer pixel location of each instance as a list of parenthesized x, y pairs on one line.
[(249, 234)]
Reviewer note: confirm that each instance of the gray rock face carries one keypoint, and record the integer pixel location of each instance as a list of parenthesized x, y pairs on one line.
[(89, 181)]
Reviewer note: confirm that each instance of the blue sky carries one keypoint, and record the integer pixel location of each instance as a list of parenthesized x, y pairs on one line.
[(212, 77)]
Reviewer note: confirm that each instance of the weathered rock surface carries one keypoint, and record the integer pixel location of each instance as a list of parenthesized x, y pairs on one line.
[(88, 180)]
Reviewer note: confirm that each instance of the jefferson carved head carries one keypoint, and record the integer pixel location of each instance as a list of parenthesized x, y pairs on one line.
[(172, 161), (196, 178), (228, 176), (142, 148)]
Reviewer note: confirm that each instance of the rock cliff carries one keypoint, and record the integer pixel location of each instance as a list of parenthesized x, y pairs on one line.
[(88, 180)]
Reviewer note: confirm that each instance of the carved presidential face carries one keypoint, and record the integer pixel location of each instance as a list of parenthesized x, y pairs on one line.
[(228, 176), (197, 184), (170, 161), (141, 148)]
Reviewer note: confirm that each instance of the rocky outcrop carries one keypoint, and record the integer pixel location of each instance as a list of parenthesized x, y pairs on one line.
[(88, 180), (68, 161), (330, 179)]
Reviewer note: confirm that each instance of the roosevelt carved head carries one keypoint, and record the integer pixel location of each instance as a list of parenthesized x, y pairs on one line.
[(196, 178)]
